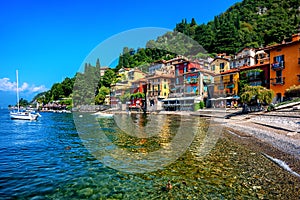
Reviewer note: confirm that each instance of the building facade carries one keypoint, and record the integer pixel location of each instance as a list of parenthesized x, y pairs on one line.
[(284, 66)]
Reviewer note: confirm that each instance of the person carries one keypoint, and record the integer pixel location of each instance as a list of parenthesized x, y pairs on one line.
[(222, 104), (235, 105), (232, 104), (169, 185)]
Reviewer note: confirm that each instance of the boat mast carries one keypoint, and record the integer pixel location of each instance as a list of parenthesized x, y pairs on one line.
[(17, 91)]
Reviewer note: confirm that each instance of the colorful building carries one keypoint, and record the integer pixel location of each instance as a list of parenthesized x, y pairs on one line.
[(285, 66), (181, 68), (245, 57), (158, 85), (196, 82), (220, 64), (127, 76), (258, 74), (226, 83), (138, 87)]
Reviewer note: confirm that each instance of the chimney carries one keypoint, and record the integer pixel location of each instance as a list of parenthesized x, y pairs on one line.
[(295, 37)]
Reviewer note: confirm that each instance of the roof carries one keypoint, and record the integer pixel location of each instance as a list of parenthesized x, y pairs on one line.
[(283, 44), (139, 80), (220, 58), (254, 66), (161, 76), (230, 71)]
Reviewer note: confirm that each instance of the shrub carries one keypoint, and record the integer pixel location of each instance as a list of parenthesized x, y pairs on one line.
[(293, 91), (201, 104)]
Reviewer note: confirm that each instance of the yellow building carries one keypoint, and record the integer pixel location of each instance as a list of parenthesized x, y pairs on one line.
[(126, 77), (159, 85), (219, 65), (226, 83)]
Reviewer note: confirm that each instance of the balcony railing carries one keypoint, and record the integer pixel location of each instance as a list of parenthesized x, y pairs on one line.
[(254, 78), (192, 81), (278, 81), (278, 66)]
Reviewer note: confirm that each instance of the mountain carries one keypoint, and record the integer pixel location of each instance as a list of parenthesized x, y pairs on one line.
[(251, 23)]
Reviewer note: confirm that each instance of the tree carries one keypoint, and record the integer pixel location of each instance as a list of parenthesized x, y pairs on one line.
[(257, 94), (100, 98), (57, 91), (23, 102), (67, 86), (109, 78), (125, 97), (293, 91)]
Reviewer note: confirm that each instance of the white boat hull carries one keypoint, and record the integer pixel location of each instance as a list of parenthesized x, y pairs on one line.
[(103, 115), (23, 116)]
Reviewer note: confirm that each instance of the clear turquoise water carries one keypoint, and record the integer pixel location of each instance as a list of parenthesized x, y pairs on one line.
[(46, 159)]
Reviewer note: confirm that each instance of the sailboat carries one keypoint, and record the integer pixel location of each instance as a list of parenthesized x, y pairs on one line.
[(24, 115)]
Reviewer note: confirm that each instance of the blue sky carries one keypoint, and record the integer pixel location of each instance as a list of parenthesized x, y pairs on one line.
[(48, 40)]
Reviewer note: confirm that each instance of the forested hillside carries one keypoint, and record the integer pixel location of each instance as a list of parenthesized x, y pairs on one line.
[(251, 23)]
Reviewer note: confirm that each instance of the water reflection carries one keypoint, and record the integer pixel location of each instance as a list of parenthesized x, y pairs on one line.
[(138, 143)]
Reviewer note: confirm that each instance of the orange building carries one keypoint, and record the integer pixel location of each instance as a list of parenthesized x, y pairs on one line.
[(285, 66)]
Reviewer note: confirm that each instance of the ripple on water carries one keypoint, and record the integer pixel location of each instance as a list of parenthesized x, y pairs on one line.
[(43, 168)]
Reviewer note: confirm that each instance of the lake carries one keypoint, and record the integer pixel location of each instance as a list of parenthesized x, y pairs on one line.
[(77, 156)]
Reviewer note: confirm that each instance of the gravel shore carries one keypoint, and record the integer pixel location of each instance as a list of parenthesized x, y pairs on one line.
[(276, 134)]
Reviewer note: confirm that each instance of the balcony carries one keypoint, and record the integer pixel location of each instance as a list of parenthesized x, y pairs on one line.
[(278, 66), (278, 81), (191, 81), (255, 77)]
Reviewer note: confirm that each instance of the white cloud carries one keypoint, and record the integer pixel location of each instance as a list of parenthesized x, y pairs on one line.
[(7, 85)]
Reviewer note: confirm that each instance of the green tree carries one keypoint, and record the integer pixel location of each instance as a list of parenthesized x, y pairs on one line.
[(57, 91), (23, 103), (257, 93), (67, 86), (125, 97), (109, 78), (100, 98)]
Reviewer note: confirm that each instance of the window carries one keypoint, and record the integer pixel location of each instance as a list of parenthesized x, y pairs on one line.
[(278, 59), (185, 69), (213, 67), (279, 73), (165, 86), (279, 76), (222, 67)]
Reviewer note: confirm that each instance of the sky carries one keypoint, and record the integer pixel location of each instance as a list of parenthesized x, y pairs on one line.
[(49, 40)]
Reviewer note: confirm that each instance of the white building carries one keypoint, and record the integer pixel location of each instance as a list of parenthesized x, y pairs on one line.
[(245, 57)]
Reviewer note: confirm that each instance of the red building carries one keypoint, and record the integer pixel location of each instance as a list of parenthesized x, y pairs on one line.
[(137, 89), (184, 70), (258, 74)]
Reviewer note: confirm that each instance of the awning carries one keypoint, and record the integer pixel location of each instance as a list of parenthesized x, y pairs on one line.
[(230, 86), (179, 99)]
